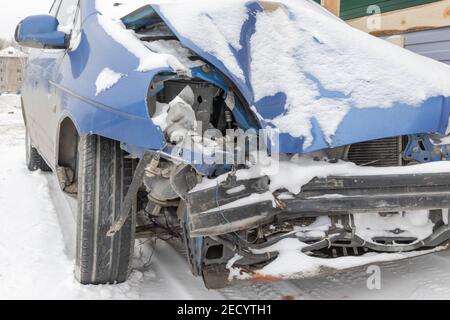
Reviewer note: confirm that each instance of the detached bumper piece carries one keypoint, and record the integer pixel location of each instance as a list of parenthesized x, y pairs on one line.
[(216, 210)]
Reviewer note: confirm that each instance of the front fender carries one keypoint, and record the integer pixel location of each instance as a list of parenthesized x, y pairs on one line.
[(118, 113), (90, 117)]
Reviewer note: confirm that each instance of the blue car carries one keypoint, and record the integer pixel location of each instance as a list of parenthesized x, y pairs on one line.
[(234, 125)]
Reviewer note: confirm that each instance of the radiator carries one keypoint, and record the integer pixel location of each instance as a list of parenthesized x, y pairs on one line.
[(378, 153)]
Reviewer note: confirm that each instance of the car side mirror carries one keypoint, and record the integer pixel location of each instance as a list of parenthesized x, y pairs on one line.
[(41, 32)]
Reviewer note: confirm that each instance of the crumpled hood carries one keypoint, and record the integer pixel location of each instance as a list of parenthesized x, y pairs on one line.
[(312, 77)]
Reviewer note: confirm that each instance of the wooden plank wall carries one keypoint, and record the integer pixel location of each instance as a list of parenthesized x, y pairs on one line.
[(428, 16)]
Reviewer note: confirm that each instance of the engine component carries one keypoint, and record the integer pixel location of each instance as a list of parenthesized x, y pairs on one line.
[(181, 117), (228, 118), (421, 148), (201, 101)]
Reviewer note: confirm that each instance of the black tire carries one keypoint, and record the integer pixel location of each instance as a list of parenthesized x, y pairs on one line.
[(33, 159), (104, 175)]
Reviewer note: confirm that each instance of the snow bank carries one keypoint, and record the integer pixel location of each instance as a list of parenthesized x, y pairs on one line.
[(106, 80)]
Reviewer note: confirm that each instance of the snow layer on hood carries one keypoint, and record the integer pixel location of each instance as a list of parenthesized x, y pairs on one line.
[(116, 10), (275, 37), (109, 19), (174, 48), (322, 66), (215, 29)]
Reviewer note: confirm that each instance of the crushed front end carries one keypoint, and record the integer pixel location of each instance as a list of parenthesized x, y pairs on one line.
[(283, 152), (380, 199)]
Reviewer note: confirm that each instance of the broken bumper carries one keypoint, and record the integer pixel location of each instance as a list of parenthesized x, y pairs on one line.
[(211, 211)]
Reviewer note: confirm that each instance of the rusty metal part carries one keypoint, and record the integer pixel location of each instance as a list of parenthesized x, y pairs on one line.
[(215, 277)]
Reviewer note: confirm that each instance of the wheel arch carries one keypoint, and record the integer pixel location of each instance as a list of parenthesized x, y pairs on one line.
[(67, 138)]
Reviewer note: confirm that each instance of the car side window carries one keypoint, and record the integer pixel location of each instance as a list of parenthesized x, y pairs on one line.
[(66, 12)]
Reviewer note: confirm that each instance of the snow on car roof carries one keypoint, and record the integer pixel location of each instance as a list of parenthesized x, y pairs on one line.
[(111, 23)]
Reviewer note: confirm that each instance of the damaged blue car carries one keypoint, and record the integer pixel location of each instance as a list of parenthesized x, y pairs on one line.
[(234, 125)]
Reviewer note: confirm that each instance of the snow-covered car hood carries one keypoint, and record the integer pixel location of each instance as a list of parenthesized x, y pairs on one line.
[(308, 74)]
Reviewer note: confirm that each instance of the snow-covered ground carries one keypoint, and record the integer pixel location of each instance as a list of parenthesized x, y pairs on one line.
[(35, 263), (36, 250)]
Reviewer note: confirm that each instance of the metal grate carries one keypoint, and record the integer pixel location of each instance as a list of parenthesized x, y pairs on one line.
[(378, 153)]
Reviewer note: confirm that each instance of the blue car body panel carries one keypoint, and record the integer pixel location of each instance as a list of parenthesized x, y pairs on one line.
[(60, 84), (120, 113)]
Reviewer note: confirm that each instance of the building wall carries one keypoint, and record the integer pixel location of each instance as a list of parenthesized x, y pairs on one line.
[(351, 9), (11, 74), (422, 26), (418, 15), (434, 44)]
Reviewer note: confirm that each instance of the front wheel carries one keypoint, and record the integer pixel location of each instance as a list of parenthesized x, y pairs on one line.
[(104, 175)]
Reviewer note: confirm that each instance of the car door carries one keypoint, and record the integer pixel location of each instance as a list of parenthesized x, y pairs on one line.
[(35, 91), (46, 70)]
